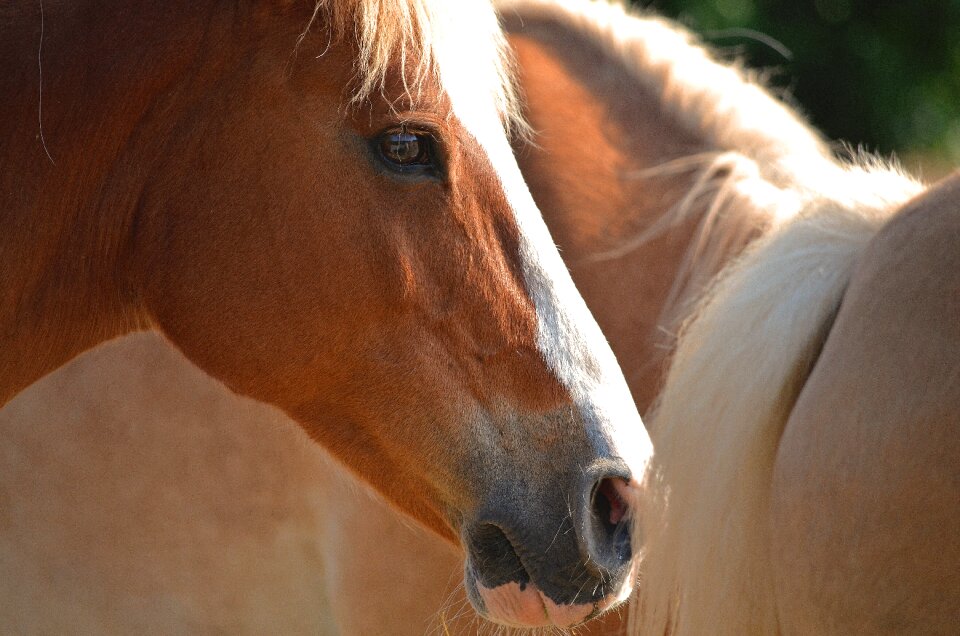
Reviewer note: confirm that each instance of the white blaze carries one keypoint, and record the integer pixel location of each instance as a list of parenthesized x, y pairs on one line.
[(568, 337)]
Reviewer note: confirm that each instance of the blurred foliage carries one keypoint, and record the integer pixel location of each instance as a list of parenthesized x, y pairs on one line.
[(884, 74)]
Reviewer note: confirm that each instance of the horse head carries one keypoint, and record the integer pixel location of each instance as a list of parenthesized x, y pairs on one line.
[(322, 210)]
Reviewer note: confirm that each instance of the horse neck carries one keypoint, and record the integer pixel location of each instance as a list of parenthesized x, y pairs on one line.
[(72, 172), (645, 207)]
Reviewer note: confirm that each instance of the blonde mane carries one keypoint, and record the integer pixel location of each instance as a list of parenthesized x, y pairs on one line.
[(758, 150), (720, 103), (426, 40), (764, 163), (749, 340)]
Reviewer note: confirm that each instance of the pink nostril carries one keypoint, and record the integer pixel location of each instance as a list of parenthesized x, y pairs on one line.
[(606, 531), (615, 507)]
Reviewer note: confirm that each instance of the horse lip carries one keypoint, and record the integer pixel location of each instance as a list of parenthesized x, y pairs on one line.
[(478, 593), (541, 611)]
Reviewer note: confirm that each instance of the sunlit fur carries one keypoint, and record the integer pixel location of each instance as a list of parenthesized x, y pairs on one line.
[(720, 101), (736, 372), (415, 35)]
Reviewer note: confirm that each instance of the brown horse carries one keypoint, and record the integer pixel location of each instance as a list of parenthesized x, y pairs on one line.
[(318, 205), (754, 164), (252, 528)]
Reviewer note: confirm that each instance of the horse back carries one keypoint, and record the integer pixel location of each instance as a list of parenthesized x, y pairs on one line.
[(866, 512)]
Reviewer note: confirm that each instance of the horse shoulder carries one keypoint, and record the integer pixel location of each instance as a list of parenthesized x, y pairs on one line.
[(865, 506)]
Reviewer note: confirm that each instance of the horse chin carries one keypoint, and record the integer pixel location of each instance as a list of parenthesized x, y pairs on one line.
[(519, 605), (523, 604)]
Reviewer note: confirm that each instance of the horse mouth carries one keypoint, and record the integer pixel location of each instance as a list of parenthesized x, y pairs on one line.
[(517, 605), (501, 588), (524, 605)]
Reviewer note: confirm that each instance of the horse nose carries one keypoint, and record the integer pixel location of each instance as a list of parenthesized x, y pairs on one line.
[(606, 519), (553, 556)]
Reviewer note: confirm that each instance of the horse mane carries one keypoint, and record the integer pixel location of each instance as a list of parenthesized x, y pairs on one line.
[(752, 334), (426, 40), (721, 103), (737, 370), (759, 149), (763, 165)]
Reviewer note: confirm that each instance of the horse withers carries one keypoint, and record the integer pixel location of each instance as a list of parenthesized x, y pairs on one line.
[(318, 205)]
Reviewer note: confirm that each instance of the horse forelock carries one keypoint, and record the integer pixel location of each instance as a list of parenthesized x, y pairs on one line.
[(430, 42)]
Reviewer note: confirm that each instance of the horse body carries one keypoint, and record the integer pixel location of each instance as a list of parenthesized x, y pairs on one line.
[(864, 508), (323, 221), (141, 516)]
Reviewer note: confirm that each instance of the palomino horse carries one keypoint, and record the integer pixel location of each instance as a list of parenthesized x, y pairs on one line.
[(318, 205)]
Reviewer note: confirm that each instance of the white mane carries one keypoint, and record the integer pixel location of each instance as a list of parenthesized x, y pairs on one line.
[(743, 356)]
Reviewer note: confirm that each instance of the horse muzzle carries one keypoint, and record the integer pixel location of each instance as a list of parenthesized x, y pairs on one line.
[(553, 561)]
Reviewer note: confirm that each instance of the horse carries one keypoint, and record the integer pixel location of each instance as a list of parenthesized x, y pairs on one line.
[(749, 162), (222, 462), (318, 205)]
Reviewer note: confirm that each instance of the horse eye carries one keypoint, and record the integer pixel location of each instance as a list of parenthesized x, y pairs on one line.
[(403, 149)]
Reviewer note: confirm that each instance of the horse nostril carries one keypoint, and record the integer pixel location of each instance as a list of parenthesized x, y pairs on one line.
[(609, 522), (608, 504)]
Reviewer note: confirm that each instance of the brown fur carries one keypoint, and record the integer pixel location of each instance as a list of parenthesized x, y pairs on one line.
[(122, 235)]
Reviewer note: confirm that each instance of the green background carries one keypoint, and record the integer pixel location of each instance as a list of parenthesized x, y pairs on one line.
[(879, 74)]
